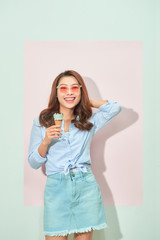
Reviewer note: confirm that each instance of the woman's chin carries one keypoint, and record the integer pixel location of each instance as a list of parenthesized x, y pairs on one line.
[(68, 105)]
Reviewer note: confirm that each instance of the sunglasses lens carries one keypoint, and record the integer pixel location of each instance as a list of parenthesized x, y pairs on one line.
[(63, 89), (74, 89)]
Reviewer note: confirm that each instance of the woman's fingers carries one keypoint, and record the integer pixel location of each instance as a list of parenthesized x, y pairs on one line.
[(54, 126), (54, 131)]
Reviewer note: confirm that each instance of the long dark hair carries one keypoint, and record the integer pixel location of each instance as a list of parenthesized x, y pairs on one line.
[(82, 109)]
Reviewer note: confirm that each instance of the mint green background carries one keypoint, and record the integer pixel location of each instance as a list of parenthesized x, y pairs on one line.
[(77, 20)]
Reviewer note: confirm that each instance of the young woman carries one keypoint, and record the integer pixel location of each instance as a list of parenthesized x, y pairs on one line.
[(72, 197)]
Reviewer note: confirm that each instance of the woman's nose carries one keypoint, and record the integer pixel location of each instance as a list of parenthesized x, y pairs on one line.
[(69, 90)]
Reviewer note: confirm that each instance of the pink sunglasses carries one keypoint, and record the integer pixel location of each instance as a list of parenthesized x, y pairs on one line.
[(74, 88)]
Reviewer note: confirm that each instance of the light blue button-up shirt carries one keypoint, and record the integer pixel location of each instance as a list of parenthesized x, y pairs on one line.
[(72, 149)]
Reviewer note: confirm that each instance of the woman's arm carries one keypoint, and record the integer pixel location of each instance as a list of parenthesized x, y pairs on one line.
[(43, 147), (107, 110), (97, 103), (37, 147)]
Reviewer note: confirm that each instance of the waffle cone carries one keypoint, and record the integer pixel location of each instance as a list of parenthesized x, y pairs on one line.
[(58, 122)]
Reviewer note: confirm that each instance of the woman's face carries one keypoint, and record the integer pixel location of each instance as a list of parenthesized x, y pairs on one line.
[(75, 96)]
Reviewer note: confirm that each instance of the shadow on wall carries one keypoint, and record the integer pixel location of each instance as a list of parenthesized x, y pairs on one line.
[(126, 118)]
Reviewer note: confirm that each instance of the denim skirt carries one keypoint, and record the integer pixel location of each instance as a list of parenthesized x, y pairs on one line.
[(72, 204)]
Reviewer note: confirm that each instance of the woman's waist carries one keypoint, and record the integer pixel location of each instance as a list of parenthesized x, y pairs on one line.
[(75, 169)]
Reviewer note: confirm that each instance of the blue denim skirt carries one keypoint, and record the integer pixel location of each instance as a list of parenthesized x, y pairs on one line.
[(72, 204)]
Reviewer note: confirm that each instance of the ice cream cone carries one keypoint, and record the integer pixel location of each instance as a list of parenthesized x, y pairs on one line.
[(58, 116), (58, 122), (58, 119)]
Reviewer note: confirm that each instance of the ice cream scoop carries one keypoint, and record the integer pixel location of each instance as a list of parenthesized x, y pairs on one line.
[(58, 118)]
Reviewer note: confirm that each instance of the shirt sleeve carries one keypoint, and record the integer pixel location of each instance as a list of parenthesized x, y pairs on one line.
[(34, 158), (106, 112)]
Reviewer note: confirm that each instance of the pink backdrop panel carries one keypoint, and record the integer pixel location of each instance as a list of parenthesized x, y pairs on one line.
[(111, 70)]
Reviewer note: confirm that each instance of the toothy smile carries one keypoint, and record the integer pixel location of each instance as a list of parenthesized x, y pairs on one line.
[(69, 99)]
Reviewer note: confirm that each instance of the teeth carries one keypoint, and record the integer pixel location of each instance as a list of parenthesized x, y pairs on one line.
[(69, 98)]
